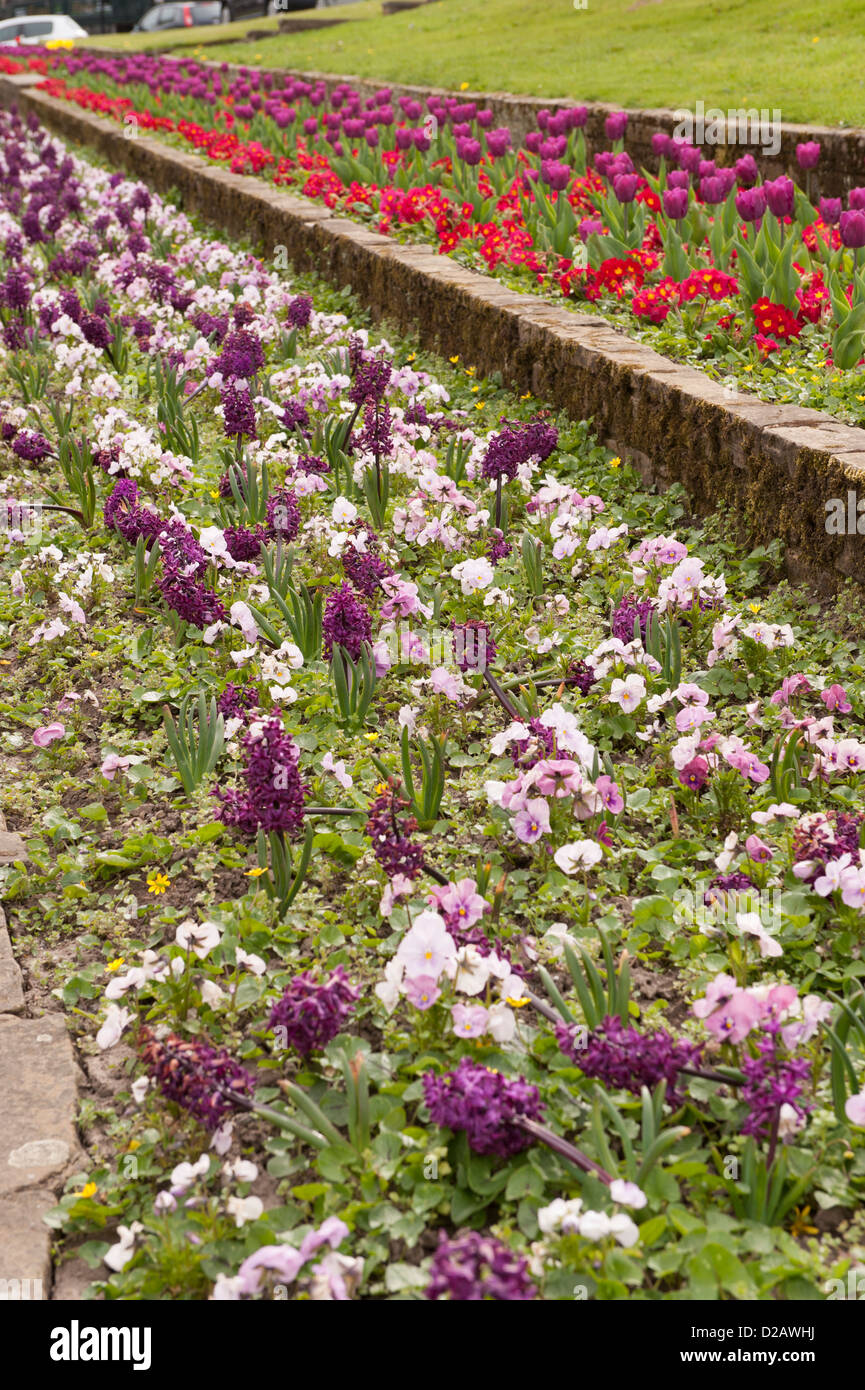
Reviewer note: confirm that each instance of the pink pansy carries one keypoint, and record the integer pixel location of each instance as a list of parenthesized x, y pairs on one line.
[(422, 991), (533, 821), (470, 1020), (690, 694), (855, 1109), (853, 888), (459, 903), (557, 777), (48, 733), (609, 793), (692, 717), (758, 850), (114, 764), (836, 697)]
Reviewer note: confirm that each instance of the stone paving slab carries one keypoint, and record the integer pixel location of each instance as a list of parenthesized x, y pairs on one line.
[(38, 1100), (11, 987), (25, 1245)]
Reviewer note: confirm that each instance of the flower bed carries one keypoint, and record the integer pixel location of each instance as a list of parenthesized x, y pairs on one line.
[(747, 280), (460, 847)]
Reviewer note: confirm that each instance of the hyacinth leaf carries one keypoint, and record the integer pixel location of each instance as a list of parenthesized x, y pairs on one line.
[(145, 567), (555, 996), (376, 490), (195, 747), (456, 458), (427, 805), (630, 1160), (357, 1093), (532, 553), (313, 1112), (277, 566), (604, 1152)]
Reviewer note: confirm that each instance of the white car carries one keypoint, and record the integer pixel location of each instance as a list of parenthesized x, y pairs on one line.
[(40, 28)]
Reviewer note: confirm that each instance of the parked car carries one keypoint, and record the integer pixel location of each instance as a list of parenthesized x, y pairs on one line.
[(185, 14), (40, 28)]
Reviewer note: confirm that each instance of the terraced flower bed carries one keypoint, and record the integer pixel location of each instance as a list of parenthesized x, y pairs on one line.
[(745, 278), (454, 848)]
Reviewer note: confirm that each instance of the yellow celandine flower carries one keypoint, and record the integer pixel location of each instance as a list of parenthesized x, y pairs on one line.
[(255, 873), (215, 493), (479, 405), (88, 1190), (412, 357), (755, 607), (517, 1003), (526, 397), (476, 387), (114, 964), (371, 737), (133, 1145), (616, 462), (454, 359), (470, 371), (464, 86), (157, 882)]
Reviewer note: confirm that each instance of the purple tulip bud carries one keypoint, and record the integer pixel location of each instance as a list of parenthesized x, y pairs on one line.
[(554, 148), (625, 187), (590, 225), (747, 172), (534, 140), (662, 145), (484, 119), (577, 117), (678, 178), (469, 151), (852, 228), (557, 124), (556, 175), (727, 179), (676, 203), (780, 195), (856, 199), (370, 135), (830, 211), (403, 138), (708, 168), (751, 204), (622, 164), (808, 154), (420, 139), (615, 125), (603, 162), (310, 126)]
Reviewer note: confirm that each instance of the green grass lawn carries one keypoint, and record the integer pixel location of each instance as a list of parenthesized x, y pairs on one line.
[(798, 56)]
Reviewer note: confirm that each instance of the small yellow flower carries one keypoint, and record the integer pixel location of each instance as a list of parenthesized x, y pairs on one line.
[(371, 737), (817, 40), (381, 789), (517, 1003), (412, 357), (748, 368), (476, 387), (214, 494), (464, 86), (755, 607), (470, 371), (157, 882), (114, 964), (790, 370), (89, 1190), (133, 1145), (526, 397), (255, 873), (479, 405), (616, 462), (454, 359)]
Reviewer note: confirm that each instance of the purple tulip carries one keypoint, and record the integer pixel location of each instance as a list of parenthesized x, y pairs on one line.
[(603, 162), (808, 154), (420, 139), (557, 124), (577, 116), (830, 211), (852, 228), (484, 119), (678, 178), (712, 191), (747, 172), (403, 138), (590, 225), (708, 168), (553, 147), (469, 151), (662, 145), (690, 158), (622, 164), (676, 203), (370, 135), (498, 141), (727, 179), (751, 204), (615, 125), (625, 187), (556, 175), (856, 199), (781, 196), (534, 140)]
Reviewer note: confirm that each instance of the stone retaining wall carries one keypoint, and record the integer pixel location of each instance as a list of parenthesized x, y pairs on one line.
[(777, 466)]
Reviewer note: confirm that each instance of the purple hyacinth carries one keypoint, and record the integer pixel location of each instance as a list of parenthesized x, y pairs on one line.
[(375, 437), (473, 646), (295, 416), (515, 445), (122, 513), (283, 515), (242, 542), (241, 357), (822, 838), (365, 568), (346, 623), (473, 1268), (236, 701), (773, 1079), (371, 380), (487, 1105), (580, 674), (238, 413), (274, 791), (204, 1081), (526, 752), (191, 599), (629, 611), (299, 311), (625, 1058), (391, 832), (31, 446), (312, 1013)]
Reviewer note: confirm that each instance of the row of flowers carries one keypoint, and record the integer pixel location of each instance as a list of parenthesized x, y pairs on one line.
[(436, 714), (708, 261)]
